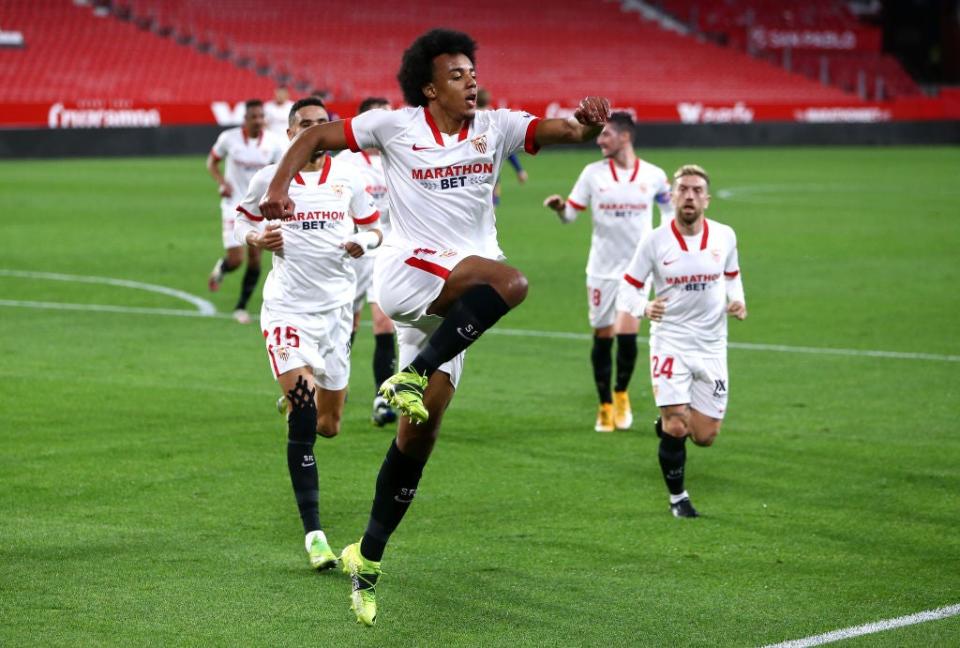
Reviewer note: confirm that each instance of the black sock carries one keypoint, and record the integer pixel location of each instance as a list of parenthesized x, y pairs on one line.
[(384, 359), (626, 359), (673, 456), (396, 486), (353, 337), (600, 356), (302, 432), (477, 310), (250, 278)]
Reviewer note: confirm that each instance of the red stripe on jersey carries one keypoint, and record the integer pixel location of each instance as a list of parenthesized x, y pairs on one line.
[(703, 239), (427, 266), (530, 141), (366, 158), (298, 178), (676, 232), (575, 204), (349, 136), (254, 218), (464, 131), (636, 169), (613, 170), (244, 131), (326, 170), (636, 283), (216, 158), (731, 275), (273, 361), (433, 127), (369, 219)]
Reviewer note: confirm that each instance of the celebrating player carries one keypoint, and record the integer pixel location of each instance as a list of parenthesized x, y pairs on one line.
[(696, 280), (370, 165), (435, 276), (307, 303), (620, 191), (247, 149)]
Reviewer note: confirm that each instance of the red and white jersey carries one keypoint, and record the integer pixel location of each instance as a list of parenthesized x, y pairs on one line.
[(621, 202), (371, 168), (313, 274), (245, 156), (440, 186), (692, 273)]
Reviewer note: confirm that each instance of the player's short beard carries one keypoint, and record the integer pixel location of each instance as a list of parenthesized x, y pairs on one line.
[(686, 219)]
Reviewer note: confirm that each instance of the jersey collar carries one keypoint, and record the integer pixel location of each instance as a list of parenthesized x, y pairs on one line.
[(682, 241), (324, 172), (437, 136), (633, 176)]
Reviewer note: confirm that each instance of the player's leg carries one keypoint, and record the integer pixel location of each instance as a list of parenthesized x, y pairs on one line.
[(250, 278), (600, 309), (708, 400), (384, 362), (233, 251), (626, 328), (672, 380)]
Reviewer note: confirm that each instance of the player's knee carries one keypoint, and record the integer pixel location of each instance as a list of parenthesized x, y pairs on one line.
[(302, 417), (675, 426), (513, 287), (328, 424)]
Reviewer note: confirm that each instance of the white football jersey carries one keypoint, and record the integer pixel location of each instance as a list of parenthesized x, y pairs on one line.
[(371, 168), (313, 274), (621, 202), (692, 273), (245, 156), (439, 186), (278, 118)]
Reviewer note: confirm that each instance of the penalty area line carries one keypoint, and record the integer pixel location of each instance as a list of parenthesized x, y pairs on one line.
[(870, 628)]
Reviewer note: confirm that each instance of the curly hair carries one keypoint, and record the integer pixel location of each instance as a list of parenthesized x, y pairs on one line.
[(416, 69)]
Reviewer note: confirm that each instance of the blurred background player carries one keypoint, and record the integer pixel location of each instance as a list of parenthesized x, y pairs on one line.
[(435, 276), (483, 103), (370, 164), (277, 112), (620, 190), (307, 315), (247, 149), (696, 280)]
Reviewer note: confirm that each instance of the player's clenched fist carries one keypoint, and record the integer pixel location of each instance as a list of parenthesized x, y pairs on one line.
[(276, 204), (654, 310), (270, 239), (738, 309), (592, 111)]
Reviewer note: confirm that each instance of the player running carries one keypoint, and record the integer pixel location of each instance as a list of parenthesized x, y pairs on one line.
[(436, 275), (307, 313), (620, 190), (247, 149), (370, 164), (696, 280)]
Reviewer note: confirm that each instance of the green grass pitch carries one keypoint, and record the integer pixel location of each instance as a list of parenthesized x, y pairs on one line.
[(144, 498)]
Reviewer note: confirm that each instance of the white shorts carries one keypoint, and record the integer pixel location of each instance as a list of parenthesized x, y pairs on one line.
[(320, 341), (409, 280), (604, 300), (700, 382), (228, 214), (364, 269)]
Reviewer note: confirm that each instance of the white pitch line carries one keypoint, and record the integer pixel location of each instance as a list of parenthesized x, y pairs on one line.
[(558, 335), (870, 628), (205, 307)]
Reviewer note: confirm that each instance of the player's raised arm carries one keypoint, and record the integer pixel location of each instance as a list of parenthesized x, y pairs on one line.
[(321, 137), (586, 123)]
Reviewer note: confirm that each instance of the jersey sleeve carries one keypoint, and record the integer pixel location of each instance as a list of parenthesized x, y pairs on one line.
[(362, 208), (664, 204), (641, 265), (731, 271), (581, 193), (372, 129), (249, 207), (219, 149), (518, 130)]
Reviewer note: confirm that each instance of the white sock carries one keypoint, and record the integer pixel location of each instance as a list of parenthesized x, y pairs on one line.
[(679, 498), (314, 534)]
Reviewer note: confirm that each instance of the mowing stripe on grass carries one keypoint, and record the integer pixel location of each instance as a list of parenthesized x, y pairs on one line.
[(558, 335), (870, 628)]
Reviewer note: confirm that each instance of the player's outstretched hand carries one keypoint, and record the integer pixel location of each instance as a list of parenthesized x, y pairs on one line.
[(738, 309), (352, 248), (276, 204), (271, 238), (554, 202), (654, 310), (592, 111)]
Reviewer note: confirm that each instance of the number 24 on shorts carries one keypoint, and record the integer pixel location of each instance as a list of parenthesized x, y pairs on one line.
[(664, 368)]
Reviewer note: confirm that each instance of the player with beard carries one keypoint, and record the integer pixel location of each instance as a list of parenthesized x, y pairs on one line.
[(307, 313), (621, 190), (436, 274), (695, 273)]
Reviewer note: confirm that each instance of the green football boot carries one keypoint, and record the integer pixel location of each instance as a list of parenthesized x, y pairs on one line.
[(364, 574), (319, 552), (404, 392)]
